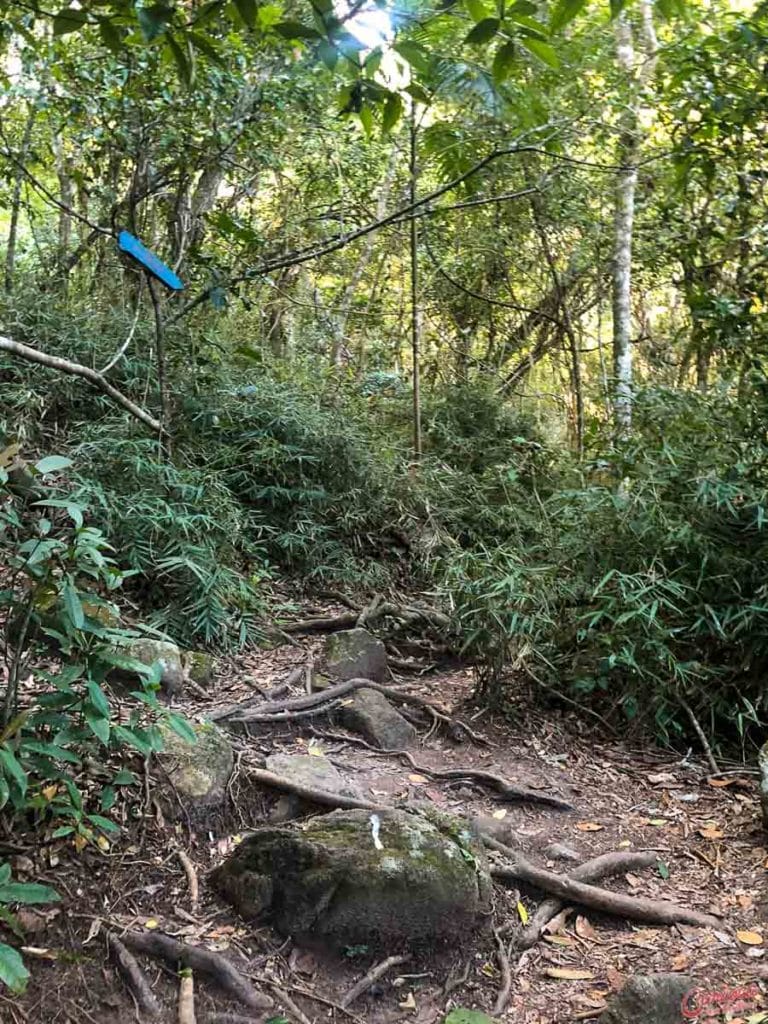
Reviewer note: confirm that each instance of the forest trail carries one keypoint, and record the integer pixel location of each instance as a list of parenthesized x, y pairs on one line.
[(706, 832)]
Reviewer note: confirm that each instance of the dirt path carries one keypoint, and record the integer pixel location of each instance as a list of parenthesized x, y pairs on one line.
[(707, 834)]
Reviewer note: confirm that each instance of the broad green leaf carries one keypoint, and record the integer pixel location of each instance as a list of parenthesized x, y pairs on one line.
[(483, 31), (110, 36), (366, 119), (5, 873), (51, 750), (153, 20), (124, 778), (414, 54), (12, 969), (103, 823), (419, 94), (5, 792), (98, 725), (27, 892), (564, 12), (63, 830), (53, 463), (98, 698), (477, 10), (393, 109), (108, 798), (544, 51), (133, 738), (69, 19), (504, 62), (247, 11), (181, 727), (296, 30), (72, 604), (328, 54), (13, 769), (183, 59)]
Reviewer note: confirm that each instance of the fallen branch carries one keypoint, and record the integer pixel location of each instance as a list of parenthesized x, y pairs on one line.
[(507, 790), (187, 998), (634, 908), (369, 979), (134, 977), (289, 1004), (205, 961), (32, 355), (505, 987), (607, 865), (231, 1018), (257, 718), (714, 767), (194, 888)]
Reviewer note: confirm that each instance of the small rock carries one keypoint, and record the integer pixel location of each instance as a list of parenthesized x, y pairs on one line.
[(198, 773), (147, 651), (199, 667), (388, 880), (370, 713), (649, 999), (355, 654), (557, 851), (306, 770)]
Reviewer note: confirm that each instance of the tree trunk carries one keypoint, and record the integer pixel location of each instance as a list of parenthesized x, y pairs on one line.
[(415, 313), (18, 181)]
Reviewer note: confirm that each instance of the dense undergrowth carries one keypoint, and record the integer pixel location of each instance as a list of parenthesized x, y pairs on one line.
[(632, 581)]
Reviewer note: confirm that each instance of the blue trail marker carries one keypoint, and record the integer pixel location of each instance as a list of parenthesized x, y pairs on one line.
[(130, 245)]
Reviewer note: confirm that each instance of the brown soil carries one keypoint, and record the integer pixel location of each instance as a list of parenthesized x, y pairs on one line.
[(708, 836)]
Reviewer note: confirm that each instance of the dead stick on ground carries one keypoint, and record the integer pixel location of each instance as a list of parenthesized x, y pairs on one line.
[(315, 796), (700, 733), (205, 961), (134, 977), (231, 1018), (505, 987), (635, 908), (186, 997), (605, 866), (369, 979), (508, 790), (194, 888), (289, 1004)]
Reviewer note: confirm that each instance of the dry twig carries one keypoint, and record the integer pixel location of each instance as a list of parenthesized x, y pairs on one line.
[(194, 888), (369, 979)]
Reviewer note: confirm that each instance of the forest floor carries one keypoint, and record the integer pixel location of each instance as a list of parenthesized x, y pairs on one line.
[(706, 831)]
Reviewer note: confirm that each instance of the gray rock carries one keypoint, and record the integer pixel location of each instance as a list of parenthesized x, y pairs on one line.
[(370, 713), (198, 772), (762, 760), (306, 770), (353, 878), (355, 654), (649, 999), (147, 651), (199, 667)]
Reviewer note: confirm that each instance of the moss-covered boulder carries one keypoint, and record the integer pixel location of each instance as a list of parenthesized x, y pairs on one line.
[(649, 999), (199, 666), (369, 713), (147, 651), (197, 773), (355, 878), (355, 654)]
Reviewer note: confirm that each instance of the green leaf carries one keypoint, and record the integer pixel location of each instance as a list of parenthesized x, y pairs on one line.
[(98, 725), (366, 119), (62, 830), (53, 463), (69, 19), (153, 20), (181, 727), (483, 31), (247, 11), (72, 604), (12, 969), (110, 36), (393, 109), (419, 94), (463, 1016), (328, 54), (27, 892), (108, 798), (564, 12), (13, 769), (124, 778), (295, 30), (5, 873), (103, 823), (5, 792), (184, 63), (133, 739), (477, 10), (503, 62), (51, 750), (414, 54), (662, 868), (617, 6), (98, 698), (544, 51)]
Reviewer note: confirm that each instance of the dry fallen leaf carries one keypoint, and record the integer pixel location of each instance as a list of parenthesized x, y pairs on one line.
[(500, 814), (662, 777), (558, 940), (750, 938), (569, 973), (522, 912), (721, 783), (49, 792), (589, 826), (151, 923), (417, 780), (409, 1003), (746, 902), (585, 930), (711, 833), (680, 962)]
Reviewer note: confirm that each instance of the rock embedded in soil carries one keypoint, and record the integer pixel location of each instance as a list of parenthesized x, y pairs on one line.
[(369, 713), (197, 773), (199, 666), (649, 999), (388, 881), (147, 651), (355, 654), (306, 770)]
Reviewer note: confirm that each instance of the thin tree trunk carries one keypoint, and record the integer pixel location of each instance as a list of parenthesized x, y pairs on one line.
[(415, 319), (18, 180), (162, 370)]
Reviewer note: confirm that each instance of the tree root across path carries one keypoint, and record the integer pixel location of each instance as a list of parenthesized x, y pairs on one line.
[(405, 613), (204, 961), (571, 890), (507, 790), (134, 977)]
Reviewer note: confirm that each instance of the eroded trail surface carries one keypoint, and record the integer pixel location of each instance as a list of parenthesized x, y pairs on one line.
[(705, 831)]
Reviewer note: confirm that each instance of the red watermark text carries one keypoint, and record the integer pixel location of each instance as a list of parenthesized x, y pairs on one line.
[(701, 1004)]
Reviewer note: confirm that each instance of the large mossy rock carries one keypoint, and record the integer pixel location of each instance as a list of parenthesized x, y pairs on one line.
[(355, 654), (198, 772), (649, 999), (369, 713), (355, 878)]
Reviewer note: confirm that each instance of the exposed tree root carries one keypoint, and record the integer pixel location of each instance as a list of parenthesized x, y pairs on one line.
[(289, 1004), (203, 960), (505, 986), (507, 790), (315, 796), (134, 977), (570, 890), (192, 882), (407, 614), (605, 866), (369, 979)]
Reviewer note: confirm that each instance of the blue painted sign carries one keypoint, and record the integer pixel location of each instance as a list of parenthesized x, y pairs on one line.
[(130, 245)]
